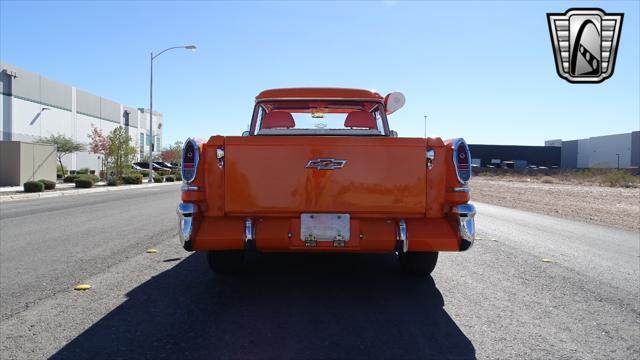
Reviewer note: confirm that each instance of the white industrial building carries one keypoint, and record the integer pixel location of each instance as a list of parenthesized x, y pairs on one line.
[(34, 106), (608, 151)]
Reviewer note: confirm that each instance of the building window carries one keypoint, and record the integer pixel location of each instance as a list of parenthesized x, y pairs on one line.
[(125, 118)]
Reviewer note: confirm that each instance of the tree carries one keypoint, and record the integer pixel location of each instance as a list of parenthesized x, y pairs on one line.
[(64, 145), (120, 151), (99, 144), (172, 154)]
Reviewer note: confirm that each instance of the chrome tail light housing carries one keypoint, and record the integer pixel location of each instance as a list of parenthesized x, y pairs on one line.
[(462, 160), (190, 158)]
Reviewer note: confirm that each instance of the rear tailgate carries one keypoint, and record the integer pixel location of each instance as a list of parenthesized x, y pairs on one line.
[(268, 175)]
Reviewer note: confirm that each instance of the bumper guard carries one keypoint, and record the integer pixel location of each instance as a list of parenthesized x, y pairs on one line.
[(185, 213), (467, 225)]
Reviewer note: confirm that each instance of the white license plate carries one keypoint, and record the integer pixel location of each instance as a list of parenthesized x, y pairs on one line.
[(324, 227)]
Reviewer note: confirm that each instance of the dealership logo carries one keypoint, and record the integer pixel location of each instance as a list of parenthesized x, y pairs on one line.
[(326, 164), (585, 44)]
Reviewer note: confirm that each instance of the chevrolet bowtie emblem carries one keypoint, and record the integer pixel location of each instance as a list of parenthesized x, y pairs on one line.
[(326, 164), (585, 44)]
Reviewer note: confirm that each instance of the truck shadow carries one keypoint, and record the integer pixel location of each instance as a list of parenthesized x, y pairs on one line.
[(285, 306)]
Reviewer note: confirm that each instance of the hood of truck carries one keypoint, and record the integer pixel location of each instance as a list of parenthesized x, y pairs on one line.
[(270, 175)]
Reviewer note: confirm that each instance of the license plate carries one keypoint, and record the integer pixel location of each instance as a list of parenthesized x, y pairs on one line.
[(324, 227)]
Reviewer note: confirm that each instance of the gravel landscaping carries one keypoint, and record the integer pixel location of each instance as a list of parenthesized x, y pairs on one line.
[(617, 207)]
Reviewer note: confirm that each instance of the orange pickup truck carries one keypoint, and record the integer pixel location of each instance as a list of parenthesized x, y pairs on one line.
[(319, 170)]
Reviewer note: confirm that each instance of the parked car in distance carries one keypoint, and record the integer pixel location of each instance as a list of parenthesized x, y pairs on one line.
[(145, 166), (137, 168), (165, 165), (320, 170)]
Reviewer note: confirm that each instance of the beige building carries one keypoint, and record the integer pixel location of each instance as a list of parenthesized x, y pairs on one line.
[(34, 106)]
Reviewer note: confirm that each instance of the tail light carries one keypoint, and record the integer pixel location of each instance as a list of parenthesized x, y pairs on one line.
[(462, 160), (190, 157)]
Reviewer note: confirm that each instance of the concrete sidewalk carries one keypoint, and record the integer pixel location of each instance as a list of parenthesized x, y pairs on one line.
[(74, 191)]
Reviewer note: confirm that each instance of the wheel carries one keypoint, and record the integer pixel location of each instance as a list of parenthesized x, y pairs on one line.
[(418, 263), (225, 262)]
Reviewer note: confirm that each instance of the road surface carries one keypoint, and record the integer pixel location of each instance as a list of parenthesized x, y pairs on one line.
[(498, 300)]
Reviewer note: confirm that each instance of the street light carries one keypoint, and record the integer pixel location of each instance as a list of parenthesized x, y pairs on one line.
[(425, 126), (188, 47)]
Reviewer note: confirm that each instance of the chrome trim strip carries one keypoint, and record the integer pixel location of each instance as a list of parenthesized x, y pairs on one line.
[(402, 235), (187, 187), (466, 224), (455, 156), (464, 189), (185, 213)]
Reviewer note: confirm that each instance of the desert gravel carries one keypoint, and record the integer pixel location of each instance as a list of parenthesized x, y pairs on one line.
[(617, 207)]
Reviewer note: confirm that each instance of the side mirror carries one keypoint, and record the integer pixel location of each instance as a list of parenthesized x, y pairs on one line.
[(245, 133), (393, 133), (393, 102)]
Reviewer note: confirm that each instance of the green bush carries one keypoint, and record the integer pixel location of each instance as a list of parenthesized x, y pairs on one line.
[(145, 173), (178, 177), (82, 171), (92, 172), (72, 172), (59, 176), (33, 186), (169, 178), (617, 178), (132, 179), (114, 181), (70, 178), (84, 183), (48, 184), (158, 179)]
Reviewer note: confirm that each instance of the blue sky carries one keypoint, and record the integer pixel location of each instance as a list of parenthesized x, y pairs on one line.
[(480, 70)]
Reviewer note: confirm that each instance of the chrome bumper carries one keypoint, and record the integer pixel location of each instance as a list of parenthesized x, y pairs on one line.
[(466, 224), (185, 213)]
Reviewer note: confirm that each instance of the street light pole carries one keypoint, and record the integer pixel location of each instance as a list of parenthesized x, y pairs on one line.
[(425, 126), (151, 142)]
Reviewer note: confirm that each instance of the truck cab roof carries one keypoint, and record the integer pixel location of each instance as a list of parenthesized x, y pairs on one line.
[(319, 93)]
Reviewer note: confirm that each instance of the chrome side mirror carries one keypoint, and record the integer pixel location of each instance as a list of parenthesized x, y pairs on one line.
[(245, 133), (393, 133)]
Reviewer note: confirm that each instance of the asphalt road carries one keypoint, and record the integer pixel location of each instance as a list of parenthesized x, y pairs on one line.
[(498, 300)]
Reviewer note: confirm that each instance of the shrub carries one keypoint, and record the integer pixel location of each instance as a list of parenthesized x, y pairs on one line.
[(132, 179), (617, 178), (92, 172), (59, 176), (72, 172), (70, 178), (158, 179), (145, 173), (83, 171), (178, 177), (83, 183), (548, 180), (114, 181), (48, 184), (169, 178), (33, 186)]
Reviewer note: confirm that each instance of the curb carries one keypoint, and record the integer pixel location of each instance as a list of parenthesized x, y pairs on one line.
[(17, 197)]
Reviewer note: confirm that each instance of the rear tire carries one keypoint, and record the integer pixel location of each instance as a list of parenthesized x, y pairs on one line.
[(418, 263), (225, 262)]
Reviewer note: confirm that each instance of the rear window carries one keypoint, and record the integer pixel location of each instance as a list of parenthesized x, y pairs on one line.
[(319, 118)]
